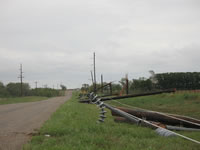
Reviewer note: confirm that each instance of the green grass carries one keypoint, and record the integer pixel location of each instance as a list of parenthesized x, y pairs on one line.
[(74, 127), (21, 99)]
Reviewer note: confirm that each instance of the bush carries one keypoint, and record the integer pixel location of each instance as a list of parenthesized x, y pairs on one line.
[(3, 91), (45, 92), (14, 89)]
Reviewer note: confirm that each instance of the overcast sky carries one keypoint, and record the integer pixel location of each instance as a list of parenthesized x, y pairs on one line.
[(55, 39)]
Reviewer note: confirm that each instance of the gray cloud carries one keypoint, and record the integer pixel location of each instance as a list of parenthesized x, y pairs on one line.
[(55, 39)]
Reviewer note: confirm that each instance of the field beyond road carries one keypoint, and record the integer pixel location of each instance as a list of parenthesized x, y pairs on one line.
[(12, 100), (18, 122), (73, 127)]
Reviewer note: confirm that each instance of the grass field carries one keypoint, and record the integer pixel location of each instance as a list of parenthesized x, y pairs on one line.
[(21, 99), (74, 127)]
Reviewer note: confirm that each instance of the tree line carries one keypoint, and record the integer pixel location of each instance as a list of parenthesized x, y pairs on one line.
[(161, 81), (180, 81), (14, 90)]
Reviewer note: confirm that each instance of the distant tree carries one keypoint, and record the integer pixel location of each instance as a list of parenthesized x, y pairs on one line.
[(47, 92), (153, 77), (141, 84), (63, 87), (179, 80), (85, 87), (3, 91), (14, 89), (116, 88), (123, 84)]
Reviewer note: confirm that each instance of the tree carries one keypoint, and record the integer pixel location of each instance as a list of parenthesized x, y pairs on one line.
[(141, 84), (3, 91), (14, 89), (63, 87), (85, 88), (179, 80)]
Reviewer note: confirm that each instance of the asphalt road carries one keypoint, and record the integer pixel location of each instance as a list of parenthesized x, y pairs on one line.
[(19, 121)]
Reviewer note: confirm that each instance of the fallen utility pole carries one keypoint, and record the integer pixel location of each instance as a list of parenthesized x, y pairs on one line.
[(185, 118), (177, 128), (194, 120), (132, 95), (137, 95), (160, 117), (181, 128), (114, 94)]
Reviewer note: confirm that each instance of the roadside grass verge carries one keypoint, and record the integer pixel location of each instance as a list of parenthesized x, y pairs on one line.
[(21, 99), (73, 127)]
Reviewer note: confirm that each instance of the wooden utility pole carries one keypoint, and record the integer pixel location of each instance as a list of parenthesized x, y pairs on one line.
[(127, 84), (92, 77), (102, 83), (95, 88), (21, 77), (36, 84), (110, 88)]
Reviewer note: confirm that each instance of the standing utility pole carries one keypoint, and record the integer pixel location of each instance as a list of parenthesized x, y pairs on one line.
[(21, 77), (94, 75), (110, 88), (127, 84), (102, 84), (36, 84)]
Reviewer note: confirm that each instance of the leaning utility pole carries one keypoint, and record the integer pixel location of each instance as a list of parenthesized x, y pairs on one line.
[(21, 77), (94, 75)]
